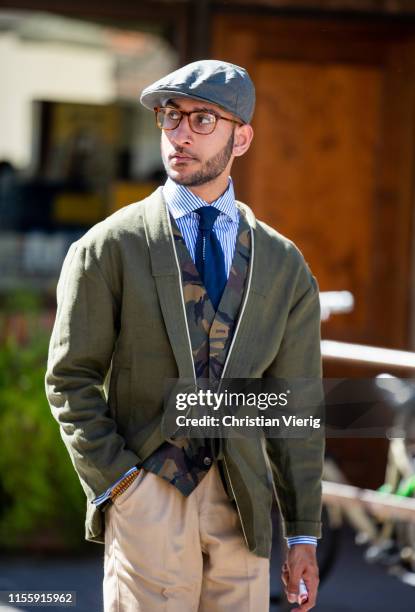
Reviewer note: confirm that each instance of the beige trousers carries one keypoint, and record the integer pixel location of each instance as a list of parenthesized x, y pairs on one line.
[(165, 552)]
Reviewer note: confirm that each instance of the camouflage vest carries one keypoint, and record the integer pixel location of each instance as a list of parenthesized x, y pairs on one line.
[(184, 463)]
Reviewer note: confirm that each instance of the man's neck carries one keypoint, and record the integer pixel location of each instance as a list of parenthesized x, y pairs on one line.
[(209, 192)]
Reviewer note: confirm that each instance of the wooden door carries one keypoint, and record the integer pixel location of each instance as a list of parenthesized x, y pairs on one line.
[(331, 165)]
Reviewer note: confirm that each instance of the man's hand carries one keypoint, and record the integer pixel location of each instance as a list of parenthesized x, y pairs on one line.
[(301, 562)]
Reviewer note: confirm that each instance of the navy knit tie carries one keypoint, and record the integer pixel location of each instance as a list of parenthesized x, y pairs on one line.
[(210, 262)]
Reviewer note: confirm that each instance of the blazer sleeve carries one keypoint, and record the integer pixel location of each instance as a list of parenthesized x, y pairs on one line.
[(79, 359), (297, 463)]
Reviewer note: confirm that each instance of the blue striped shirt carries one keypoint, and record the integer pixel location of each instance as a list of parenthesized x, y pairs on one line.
[(182, 204)]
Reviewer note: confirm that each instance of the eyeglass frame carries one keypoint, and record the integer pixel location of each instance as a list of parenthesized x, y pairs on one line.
[(188, 113)]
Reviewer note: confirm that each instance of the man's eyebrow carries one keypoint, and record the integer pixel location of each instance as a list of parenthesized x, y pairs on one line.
[(199, 109)]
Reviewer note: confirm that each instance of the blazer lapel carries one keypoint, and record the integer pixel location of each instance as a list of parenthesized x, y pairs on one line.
[(227, 315), (165, 270), (244, 343)]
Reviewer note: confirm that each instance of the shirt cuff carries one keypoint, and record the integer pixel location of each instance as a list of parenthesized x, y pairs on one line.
[(107, 494), (301, 540)]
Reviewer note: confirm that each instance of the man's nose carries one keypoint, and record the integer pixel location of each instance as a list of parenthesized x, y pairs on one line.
[(182, 134)]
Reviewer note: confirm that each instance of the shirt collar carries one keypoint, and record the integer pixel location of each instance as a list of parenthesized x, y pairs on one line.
[(181, 201)]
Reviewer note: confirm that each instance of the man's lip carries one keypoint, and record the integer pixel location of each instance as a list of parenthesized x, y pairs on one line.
[(180, 156)]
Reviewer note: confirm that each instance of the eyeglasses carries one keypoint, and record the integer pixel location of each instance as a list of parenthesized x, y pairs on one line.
[(201, 122)]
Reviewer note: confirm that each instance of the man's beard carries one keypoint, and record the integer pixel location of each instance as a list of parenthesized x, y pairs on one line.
[(211, 169)]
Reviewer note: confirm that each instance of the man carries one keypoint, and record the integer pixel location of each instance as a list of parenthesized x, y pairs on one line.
[(187, 284)]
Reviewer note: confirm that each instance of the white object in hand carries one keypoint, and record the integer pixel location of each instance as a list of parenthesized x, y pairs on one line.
[(303, 593)]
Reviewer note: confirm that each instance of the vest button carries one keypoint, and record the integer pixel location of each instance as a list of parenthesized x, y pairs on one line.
[(207, 460)]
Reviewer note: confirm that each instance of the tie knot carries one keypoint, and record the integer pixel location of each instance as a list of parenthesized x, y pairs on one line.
[(208, 215)]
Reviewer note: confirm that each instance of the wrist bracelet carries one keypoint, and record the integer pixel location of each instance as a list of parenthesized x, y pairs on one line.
[(124, 484)]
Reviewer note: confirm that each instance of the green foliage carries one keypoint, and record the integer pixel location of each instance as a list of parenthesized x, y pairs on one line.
[(41, 500)]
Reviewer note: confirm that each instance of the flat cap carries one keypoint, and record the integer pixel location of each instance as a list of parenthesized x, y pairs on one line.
[(221, 83)]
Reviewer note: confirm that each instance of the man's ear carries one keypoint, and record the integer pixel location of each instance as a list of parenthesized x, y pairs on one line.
[(242, 139)]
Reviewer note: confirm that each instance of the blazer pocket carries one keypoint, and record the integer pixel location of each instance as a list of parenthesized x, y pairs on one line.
[(125, 495)]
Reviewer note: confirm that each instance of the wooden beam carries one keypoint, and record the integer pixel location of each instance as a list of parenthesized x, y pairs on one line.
[(169, 17), (148, 10), (382, 505), (376, 7), (361, 353)]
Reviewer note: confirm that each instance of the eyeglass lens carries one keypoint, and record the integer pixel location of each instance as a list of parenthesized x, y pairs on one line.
[(200, 122)]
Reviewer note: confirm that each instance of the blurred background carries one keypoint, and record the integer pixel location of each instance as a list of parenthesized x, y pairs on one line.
[(332, 167)]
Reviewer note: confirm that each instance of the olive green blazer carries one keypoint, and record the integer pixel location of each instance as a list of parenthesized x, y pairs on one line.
[(121, 330)]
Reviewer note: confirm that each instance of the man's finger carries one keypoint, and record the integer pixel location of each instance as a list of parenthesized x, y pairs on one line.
[(292, 592), (293, 587), (284, 574)]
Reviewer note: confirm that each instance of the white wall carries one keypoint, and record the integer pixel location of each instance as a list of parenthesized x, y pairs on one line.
[(48, 71)]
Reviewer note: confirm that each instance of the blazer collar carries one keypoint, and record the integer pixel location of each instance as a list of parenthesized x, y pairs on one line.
[(161, 244), (259, 281), (159, 238)]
